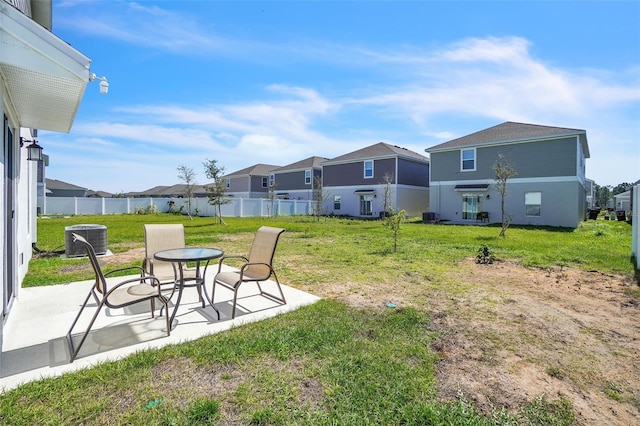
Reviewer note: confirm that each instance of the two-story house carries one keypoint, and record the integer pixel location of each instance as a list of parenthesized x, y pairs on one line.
[(297, 181), (250, 182), (42, 82), (58, 188), (549, 188), (365, 182)]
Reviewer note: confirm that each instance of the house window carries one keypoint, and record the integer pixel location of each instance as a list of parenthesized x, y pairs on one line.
[(470, 206), (532, 203), (336, 202), (264, 181), (272, 180), (368, 169), (228, 182), (468, 160), (365, 205), (307, 177)]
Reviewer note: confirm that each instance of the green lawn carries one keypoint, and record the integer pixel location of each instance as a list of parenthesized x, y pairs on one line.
[(325, 364)]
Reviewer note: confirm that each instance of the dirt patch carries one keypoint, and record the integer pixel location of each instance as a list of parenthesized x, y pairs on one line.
[(508, 334), (516, 333)]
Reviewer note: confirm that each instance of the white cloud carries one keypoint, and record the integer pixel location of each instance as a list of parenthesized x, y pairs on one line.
[(436, 95), (138, 24)]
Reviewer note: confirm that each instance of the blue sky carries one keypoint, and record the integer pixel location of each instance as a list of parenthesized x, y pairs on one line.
[(276, 82)]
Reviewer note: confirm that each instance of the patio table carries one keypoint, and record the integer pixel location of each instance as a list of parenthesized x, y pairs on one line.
[(181, 256)]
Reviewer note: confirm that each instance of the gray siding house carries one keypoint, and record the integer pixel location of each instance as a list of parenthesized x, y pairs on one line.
[(58, 188), (549, 188), (354, 184), (178, 190), (298, 180), (250, 182)]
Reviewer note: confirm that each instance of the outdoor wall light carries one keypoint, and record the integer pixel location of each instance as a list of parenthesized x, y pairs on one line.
[(34, 151), (104, 84)]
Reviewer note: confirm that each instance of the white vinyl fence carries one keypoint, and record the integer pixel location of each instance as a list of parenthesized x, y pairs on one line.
[(238, 207)]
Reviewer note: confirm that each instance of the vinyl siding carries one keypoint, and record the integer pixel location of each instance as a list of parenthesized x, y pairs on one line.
[(256, 184), (238, 184), (412, 173), (292, 180), (353, 173), (414, 200), (562, 203), (549, 158)]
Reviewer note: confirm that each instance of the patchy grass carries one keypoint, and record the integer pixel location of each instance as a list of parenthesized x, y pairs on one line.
[(354, 250), (333, 362)]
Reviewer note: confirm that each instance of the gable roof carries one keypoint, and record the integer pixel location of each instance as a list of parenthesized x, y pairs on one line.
[(378, 151), (512, 132), (311, 162), (58, 184), (100, 194), (255, 170)]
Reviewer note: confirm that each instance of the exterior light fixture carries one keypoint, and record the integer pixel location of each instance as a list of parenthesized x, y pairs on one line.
[(34, 151), (104, 84)]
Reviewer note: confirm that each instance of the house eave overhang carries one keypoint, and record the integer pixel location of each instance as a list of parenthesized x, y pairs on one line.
[(44, 77), (472, 187)]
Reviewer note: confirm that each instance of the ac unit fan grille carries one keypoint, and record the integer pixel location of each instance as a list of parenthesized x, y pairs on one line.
[(96, 235)]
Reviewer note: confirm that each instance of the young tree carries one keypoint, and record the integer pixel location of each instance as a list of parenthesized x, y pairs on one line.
[(392, 221), (188, 176), (216, 190), (387, 181), (320, 196), (504, 172), (271, 196)]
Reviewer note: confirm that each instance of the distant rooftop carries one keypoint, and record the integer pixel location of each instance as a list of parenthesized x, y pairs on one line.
[(379, 150)]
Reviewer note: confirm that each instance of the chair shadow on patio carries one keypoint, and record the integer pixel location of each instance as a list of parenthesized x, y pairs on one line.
[(55, 352)]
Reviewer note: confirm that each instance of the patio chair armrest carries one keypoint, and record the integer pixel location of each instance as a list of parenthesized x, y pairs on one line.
[(154, 282), (223, 258), (138, 268)]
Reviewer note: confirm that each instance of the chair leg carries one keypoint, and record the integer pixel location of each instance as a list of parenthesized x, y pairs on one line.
[(235, 299), (280, 298), (74, 352), (213, 290)]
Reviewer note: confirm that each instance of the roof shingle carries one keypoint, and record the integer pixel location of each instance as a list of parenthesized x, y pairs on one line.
[(511, 132), (379, 150)]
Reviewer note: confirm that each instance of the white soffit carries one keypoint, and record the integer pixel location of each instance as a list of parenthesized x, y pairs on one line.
[(45, 78)]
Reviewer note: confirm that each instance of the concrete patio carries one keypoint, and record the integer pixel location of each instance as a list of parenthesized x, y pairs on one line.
[(35, 345)]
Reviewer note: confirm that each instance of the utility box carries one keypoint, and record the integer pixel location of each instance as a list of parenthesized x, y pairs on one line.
[(96, 235), (429, 217)]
